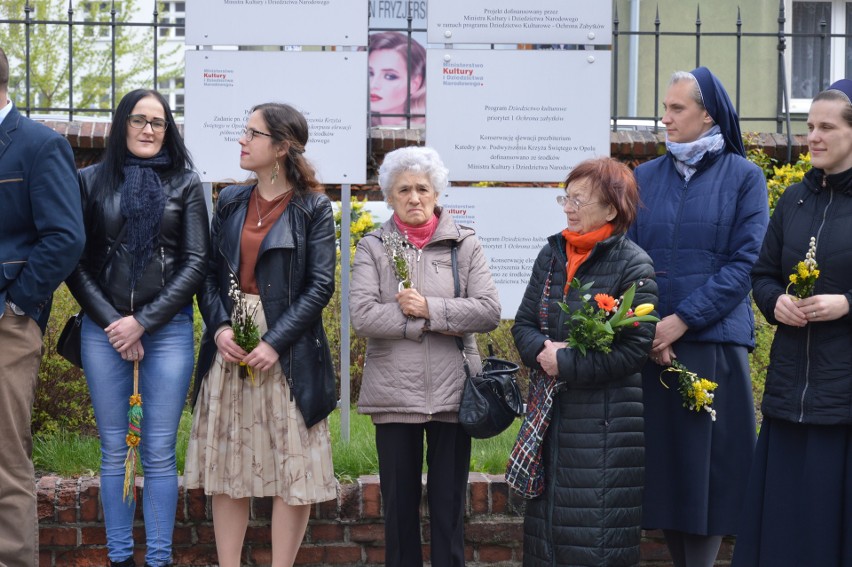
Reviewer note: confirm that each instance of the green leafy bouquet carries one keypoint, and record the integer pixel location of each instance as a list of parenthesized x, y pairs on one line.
[(593, 326), (399, 252), (246, 332)]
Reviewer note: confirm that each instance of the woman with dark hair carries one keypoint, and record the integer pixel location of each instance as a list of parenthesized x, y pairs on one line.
[(798, 506), (391, 55), (705, 214), (138, 308), (260, 425), (588, 509)]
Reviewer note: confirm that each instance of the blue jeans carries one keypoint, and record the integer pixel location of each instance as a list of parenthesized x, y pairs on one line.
[(164, 376)]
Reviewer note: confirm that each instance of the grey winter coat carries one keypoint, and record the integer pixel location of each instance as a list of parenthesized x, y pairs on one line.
[(411, 374), (591, 509)]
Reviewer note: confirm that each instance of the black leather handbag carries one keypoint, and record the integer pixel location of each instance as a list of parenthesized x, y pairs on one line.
[(69, 343), (491, 399)]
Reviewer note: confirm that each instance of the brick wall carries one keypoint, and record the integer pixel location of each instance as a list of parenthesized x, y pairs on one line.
[(348, 531)]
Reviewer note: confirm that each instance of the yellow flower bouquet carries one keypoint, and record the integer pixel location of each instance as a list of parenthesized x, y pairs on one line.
[(805, 274), (697, 392)]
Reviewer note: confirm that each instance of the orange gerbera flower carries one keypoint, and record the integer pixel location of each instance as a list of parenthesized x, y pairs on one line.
[(605, 302)]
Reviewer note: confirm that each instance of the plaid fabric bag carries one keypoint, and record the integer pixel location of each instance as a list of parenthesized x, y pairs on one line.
[(525, 472)]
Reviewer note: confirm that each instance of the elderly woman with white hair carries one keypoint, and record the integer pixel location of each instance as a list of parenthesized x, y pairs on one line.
[(403, 301)]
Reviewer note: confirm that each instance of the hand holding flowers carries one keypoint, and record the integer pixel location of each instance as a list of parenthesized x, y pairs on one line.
[(594, 326), (246, 332)]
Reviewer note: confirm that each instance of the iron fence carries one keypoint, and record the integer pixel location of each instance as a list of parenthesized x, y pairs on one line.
[(113, 24), (779, 36)]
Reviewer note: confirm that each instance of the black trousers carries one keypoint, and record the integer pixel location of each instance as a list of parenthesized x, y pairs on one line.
[(400, 450)]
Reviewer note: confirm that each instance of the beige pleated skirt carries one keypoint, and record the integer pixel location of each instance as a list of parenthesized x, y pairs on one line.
[(251, 440)]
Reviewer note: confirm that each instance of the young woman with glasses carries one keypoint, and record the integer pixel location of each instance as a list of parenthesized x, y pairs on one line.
[(138, 309), (260, 429)]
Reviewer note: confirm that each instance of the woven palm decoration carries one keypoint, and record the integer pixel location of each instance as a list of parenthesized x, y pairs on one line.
[(134, 436)]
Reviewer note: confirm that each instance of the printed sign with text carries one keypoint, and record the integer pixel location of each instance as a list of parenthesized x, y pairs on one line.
[(223, 86), (512, 21), (527, 116)]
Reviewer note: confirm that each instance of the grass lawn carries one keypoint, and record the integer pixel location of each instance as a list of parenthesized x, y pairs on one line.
[(70, 454)]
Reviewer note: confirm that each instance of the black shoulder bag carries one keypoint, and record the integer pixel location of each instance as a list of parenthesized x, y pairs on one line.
[(69, 342), (491, 399)]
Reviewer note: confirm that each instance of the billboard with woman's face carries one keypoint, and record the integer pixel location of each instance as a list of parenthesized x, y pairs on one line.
[(397, 63), (397, 70)]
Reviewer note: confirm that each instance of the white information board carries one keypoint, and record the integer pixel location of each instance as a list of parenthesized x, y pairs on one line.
[(276, 22), (520, 21), (512, 224), (328, 87), (527, 116)]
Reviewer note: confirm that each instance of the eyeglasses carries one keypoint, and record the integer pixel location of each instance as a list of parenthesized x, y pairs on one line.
[(573, 203), (250, 133), (139, 122)]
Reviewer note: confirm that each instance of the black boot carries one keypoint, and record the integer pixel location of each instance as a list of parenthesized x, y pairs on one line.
[(129, 562)]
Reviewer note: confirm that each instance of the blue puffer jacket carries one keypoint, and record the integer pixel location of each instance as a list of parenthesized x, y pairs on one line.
[(704, 235)]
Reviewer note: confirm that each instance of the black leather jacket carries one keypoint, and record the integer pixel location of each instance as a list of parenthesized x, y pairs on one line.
[(295, 277), (174, 273)]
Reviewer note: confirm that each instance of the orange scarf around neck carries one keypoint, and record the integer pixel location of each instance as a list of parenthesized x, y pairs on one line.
[(579, 246)]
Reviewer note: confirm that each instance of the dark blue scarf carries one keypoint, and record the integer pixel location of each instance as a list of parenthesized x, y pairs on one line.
[(142, 204)]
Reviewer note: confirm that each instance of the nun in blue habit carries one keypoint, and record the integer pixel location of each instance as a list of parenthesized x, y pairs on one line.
[(704, 217)]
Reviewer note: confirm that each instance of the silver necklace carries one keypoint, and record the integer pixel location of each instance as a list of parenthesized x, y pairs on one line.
[(260, 219)]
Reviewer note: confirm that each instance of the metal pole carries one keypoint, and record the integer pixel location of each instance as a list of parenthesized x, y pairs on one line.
[(783, 95), (70, 62), (112, 28), (780, 100), (156, 39), (27, 10), (739, 55), (633, 66), (821, 81), (615, 70), (656, 68), (698, 36), (345, 347)]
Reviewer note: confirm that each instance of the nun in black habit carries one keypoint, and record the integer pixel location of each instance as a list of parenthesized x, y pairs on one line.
[(798, 506)]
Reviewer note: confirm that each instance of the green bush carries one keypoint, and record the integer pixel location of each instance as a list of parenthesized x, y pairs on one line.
[(62, 401)]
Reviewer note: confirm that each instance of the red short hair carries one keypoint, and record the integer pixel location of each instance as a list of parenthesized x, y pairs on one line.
[(615, 183)]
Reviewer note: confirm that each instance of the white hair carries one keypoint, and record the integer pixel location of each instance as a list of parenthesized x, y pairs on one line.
[(414, 159)]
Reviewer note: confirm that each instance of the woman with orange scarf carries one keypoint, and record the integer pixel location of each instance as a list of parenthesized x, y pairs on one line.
[(588, 507)]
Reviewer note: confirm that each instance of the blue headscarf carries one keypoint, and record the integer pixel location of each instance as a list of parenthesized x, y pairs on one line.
[(720, 108), (844, 86)]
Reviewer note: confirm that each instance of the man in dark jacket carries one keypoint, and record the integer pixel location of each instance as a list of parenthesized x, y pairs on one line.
[(41, 239)]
